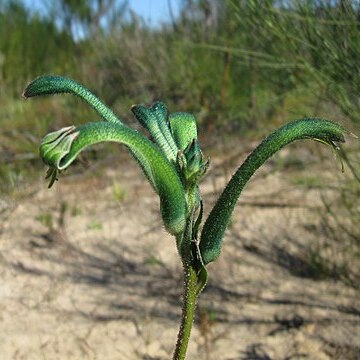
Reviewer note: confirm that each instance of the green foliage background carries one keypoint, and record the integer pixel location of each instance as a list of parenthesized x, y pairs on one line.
[(231, 62)]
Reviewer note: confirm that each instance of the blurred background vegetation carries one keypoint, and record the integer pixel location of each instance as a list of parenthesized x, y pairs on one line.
[(242, 67)]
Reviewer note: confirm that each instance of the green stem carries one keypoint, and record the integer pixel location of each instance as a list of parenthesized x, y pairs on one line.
[(187, 316)]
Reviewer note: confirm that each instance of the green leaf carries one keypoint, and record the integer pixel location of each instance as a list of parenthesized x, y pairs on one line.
[(59, 150), (49, 84), (219, 217)]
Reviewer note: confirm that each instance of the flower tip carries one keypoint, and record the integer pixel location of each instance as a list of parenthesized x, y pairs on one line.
[(51, 174), (25, 94), (74, 135)]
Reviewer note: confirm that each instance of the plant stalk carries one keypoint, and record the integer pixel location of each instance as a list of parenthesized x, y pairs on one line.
[(187, 316)]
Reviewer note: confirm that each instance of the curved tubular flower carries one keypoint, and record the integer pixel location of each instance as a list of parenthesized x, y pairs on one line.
[(214, 228), (60, 145), (154, 120), (49, 84), (60, 148)]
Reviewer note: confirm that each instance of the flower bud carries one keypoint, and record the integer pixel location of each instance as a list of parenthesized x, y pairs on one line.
[(54, 147)]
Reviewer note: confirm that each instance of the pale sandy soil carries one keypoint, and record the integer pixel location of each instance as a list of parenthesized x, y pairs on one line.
[(107, 283)]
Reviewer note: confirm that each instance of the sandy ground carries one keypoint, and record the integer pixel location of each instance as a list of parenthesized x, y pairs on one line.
[(103, 280)]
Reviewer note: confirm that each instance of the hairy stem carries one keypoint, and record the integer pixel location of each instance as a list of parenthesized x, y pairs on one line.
[(187, 316)]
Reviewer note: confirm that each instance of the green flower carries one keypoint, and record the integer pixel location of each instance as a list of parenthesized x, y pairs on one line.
[(157, 159)]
